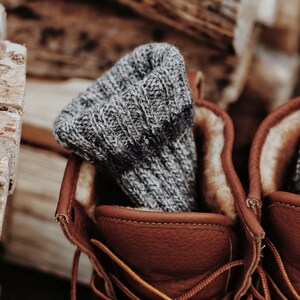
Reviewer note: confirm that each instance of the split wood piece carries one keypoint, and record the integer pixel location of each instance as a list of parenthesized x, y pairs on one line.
[(2, 22), (60, 46), (273, 75), (267, 12), (247, 114), (285, 32), (33, 238), (4, 186), (226, 24), (12, 76), (271, 82), (238, 78), (10, 132), (12, 85), (44, 102)]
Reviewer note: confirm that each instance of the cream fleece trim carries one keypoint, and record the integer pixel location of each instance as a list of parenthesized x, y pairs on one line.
[(216, 190), (277, 151)]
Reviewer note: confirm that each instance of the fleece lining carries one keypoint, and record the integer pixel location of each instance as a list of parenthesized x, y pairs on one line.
[(217, 193), (278, 149)]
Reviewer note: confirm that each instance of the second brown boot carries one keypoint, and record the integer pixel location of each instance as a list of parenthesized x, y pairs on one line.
[(146, 254), (272, 166)]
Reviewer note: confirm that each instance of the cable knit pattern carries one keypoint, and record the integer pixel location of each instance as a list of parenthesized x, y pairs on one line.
[(135, 122)]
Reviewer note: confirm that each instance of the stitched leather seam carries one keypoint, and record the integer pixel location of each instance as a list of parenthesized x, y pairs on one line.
[(117, 220), (216, 227), (278, 203)]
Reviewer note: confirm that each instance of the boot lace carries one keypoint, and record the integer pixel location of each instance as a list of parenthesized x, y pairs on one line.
[(253, 293)]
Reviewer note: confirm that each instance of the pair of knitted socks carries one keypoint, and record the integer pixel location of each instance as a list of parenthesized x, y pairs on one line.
[(135, 123)]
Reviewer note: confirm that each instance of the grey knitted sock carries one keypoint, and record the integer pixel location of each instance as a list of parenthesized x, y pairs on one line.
[(135, 122), (294, 181)]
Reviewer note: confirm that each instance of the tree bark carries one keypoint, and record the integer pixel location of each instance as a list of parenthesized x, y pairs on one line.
[(12, 88), (12, 85)]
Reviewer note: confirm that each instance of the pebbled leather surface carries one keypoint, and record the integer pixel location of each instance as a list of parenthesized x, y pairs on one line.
[(280, 211), (171, 251), (281, 220)]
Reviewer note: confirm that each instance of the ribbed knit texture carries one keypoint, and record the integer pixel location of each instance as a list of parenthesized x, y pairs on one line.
[(294, 184), (135, 122)]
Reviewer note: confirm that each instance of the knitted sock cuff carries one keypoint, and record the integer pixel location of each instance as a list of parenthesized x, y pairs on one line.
[(131, 112)]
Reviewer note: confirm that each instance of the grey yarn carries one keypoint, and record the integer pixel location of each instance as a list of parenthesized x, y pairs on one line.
[(135, 122)]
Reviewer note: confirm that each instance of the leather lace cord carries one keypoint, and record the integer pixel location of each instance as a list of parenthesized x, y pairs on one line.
[(265, 279), (282, 271), (75, 274), (265, 286), (191, 293)]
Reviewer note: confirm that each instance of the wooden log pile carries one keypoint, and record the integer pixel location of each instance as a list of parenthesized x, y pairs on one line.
[(12, 85), (60, 46), (247, 50)]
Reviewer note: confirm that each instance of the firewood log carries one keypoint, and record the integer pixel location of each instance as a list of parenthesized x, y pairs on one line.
[(225, 24), (284, 34), (12, 85), (83, 39), (2, 22), (34, 239)]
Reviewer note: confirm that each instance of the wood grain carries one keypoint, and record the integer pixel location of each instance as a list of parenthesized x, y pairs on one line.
[(267, 12), (284, 34), (44, 101), (60, 46), (12, 85), (4, 187), (225, 24), (34, 238), (273, 75), (2, 22)]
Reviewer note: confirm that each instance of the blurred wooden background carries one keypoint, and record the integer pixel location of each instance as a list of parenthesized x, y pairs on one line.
[(247, 50)]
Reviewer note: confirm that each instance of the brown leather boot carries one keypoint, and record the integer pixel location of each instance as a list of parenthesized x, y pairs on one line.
[(143, 254), (271, 164)]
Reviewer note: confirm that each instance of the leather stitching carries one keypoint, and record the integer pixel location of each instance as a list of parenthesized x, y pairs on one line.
[(117, 220), (278, 203)]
